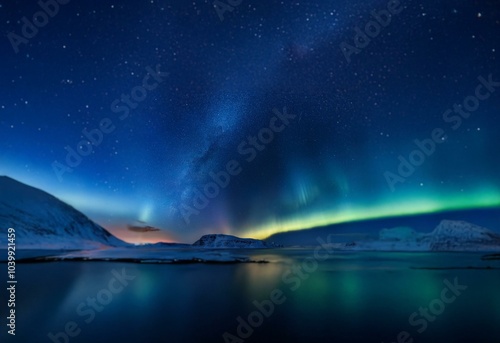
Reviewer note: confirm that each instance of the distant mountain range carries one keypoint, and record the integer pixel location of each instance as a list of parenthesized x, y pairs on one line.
[(42, 221), (228, 241), (369, 229), (449, 235)]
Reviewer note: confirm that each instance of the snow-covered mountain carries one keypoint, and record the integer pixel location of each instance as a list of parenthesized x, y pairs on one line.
[(460, 235), (228, 241), (449, 235), (42, 221)]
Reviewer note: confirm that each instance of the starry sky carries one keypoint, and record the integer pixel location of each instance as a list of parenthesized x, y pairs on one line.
[(216, 79)]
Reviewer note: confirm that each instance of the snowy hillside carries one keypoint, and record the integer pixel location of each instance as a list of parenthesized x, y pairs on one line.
[(460, 235), (449, 235), (227, 241), (42, 221)]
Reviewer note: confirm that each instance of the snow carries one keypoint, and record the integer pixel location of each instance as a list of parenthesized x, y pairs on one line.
[(449, 235), (48, 229), (452, 235), (42, 221), (398, 233), (231, 242), (147, 255)]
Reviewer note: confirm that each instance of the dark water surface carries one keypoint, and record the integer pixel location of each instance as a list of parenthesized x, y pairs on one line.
[(350, 297)]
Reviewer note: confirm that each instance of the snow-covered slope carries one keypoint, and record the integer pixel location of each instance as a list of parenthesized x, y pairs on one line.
[(449, 235), (42, 221), (460, 235), (227, 241)]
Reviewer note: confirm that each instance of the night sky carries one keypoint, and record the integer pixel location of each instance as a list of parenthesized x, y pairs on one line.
[(215, 84)]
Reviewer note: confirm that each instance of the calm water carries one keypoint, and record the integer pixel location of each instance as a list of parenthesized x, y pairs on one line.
[(351, 297)]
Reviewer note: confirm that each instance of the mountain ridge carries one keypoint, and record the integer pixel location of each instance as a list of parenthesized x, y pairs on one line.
[(41, 220), (449, 235), (229, 241)]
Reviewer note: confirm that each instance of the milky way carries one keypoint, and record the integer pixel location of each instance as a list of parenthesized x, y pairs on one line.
[(180, 96)]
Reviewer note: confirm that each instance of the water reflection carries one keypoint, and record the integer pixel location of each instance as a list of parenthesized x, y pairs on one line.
[(352, 297)]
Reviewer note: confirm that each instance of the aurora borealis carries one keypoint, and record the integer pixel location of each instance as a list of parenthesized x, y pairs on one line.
[(222, 83)]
